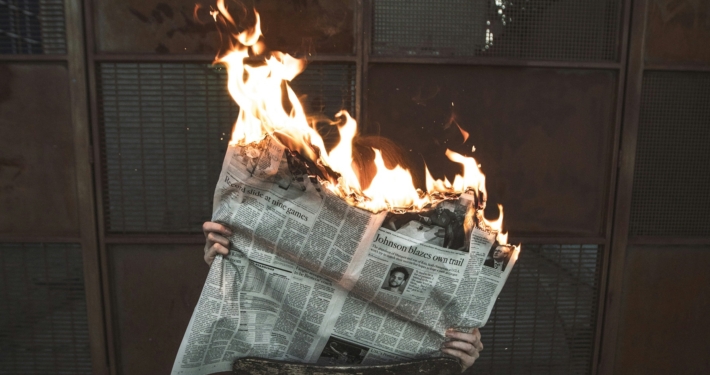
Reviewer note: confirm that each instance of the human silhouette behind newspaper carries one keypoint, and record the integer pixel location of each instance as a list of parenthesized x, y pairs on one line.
[(465, 346)]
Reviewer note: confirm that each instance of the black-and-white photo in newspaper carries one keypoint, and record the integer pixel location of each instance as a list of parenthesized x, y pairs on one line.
[(340, 352), (442, 226), (498, 256), (396, 278)]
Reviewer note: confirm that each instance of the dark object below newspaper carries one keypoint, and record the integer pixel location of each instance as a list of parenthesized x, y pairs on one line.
[(261, 366)]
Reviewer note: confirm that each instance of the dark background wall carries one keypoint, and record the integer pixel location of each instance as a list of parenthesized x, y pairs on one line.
[(591, 121)]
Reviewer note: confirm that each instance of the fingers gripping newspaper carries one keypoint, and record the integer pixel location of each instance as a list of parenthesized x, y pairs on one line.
[(312, 279)]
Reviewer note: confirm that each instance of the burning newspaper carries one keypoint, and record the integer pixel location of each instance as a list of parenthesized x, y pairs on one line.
[(321, 268), (310, 278)]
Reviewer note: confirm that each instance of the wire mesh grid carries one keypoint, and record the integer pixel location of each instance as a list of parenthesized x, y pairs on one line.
[(565, 30), (32, 27), (544, 320), (43, 319), (672, 171), (165, 131)]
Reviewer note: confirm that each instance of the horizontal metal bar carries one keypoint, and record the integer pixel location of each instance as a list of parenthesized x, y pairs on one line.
[(660, 240), (554, 240), (168, 239), (679, 67), (38, 239), (493, 61), (332, 58), (31, 58), (201, 58), (153, 58)]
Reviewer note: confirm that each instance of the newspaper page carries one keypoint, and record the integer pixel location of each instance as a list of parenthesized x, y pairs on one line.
[(310, 278)]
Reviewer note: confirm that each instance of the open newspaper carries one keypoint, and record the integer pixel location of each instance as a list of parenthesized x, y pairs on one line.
[(310, 278)]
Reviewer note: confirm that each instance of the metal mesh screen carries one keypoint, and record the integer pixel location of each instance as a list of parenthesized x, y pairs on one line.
[(43, 319), (32, 27), (545, 318), (165, 131), (567, 30), (672, 172)]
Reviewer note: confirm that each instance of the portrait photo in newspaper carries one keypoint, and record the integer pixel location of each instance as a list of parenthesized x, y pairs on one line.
[(498, 256), (396, 279)]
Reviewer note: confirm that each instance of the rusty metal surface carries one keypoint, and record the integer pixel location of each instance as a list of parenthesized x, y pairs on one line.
[(38, 193), (678, 31), (156, 26), (154, 290), (259, 366), (543, 136), (666, 299)]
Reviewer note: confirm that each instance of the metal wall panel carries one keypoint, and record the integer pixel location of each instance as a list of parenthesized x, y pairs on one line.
[(542, 136), (37, 165), (165, 131), (170, 27), (43, 321), (664, 327), (154, 290), (565, 30), (544, 320), (32, 27), (672, 172), (678, 32)]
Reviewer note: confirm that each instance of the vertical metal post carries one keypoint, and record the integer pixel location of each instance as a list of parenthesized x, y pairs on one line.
[(76, 63), (613, 174), (622, 208)]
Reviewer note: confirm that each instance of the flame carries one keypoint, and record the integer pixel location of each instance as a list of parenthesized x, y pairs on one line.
[(497, 226), (258, 82), (464, 133), (341, 156), (394, 186), (472, 177)]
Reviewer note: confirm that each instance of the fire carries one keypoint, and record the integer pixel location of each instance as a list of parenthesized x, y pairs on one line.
[(497, 226), (258, 82), (394, 187)]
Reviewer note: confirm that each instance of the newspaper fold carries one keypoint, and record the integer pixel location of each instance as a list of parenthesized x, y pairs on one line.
[(310, 278)]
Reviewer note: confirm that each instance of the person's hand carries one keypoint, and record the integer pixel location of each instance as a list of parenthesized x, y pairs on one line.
[(463, 346), (216, 241)]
